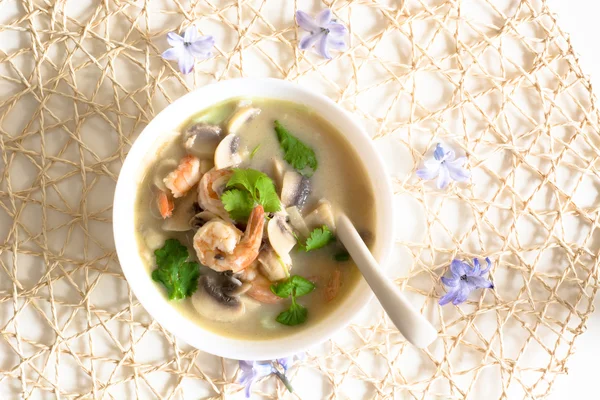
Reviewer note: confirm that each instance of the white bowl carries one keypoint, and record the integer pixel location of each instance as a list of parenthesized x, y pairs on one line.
[(149, 294)]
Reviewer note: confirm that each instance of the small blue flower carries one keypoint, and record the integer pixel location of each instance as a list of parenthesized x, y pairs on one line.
[(324, 32), (445, 166), (464, 280), (186, 49), (252, 371)]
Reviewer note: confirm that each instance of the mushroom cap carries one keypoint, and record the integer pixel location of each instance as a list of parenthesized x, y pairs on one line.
[(215, 298), (240, 117), (202, 139), (295, 189), (321, 215), (227, 153), (281, 237)]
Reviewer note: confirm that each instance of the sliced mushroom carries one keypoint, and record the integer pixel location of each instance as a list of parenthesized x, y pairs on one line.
[(215, 298), (240, 117), (227, 153), (280, 233), (184, 211), (278, 172), (297, 221), (202, 139), (201, 218), (272, 266), (321, 215), (164, 168), (295, 189)]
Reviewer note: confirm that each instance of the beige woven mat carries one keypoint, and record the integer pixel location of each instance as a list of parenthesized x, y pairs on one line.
[(498, 80)]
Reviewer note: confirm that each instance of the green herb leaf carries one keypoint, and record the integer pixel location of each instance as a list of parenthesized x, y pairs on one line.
[(295, 315), (249, 187), (294, 286), (342, 256), (238, 204), (283, 289), (301, 285), (254, 151), (178, 276), (318, 238), (297, 154)]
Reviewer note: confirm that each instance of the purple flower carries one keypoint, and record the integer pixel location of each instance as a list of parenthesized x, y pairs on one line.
[(464, 280), (445, 166), (186, 49), (324, 32), (252, 371)]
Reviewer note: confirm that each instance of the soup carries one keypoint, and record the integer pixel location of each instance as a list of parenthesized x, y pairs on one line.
[(235, 218)]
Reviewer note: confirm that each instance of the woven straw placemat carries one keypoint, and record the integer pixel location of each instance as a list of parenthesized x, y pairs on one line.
[(496, 79)]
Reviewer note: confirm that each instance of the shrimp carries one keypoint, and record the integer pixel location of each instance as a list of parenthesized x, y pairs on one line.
[(208, 191), (165, 205), (333, 286), (184, 177), (219, 247), (261, 290)]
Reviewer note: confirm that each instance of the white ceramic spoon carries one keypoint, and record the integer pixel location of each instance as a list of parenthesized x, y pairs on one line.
[(413, 325)]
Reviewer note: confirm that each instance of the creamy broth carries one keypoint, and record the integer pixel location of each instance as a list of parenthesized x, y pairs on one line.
[(340, 178)]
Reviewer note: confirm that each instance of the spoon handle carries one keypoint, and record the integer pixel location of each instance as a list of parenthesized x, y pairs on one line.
[(412, 324)]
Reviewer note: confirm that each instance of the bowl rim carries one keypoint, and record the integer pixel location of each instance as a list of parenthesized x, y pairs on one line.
[(131, 261)]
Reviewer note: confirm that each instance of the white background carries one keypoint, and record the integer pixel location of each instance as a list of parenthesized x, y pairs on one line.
[(580, 19)]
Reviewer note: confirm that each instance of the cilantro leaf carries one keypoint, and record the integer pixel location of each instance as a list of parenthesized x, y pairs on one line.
[(267, 194), (283, 289), (294, 286), (178, 276), (318, 238), (302, 285), (238, 203), (253, 187), (297, 154), (295, 315)]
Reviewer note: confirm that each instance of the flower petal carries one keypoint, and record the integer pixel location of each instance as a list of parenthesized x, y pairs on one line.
[(190, 35), (477, 282), (336, 29), (336, 44), (476, 270), (461, 295), (323, 17), (428, 173), (486, 269), (173, 54), (450, 282), (306, 22), (248, 389), (443, 178), (459, 268), (186, 62), (448, 297), (309, 40), (449, 155), (457, 172), (460, 161), (174, 39), (285, 362), (322, 47), (201, 47), (439, 152)]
